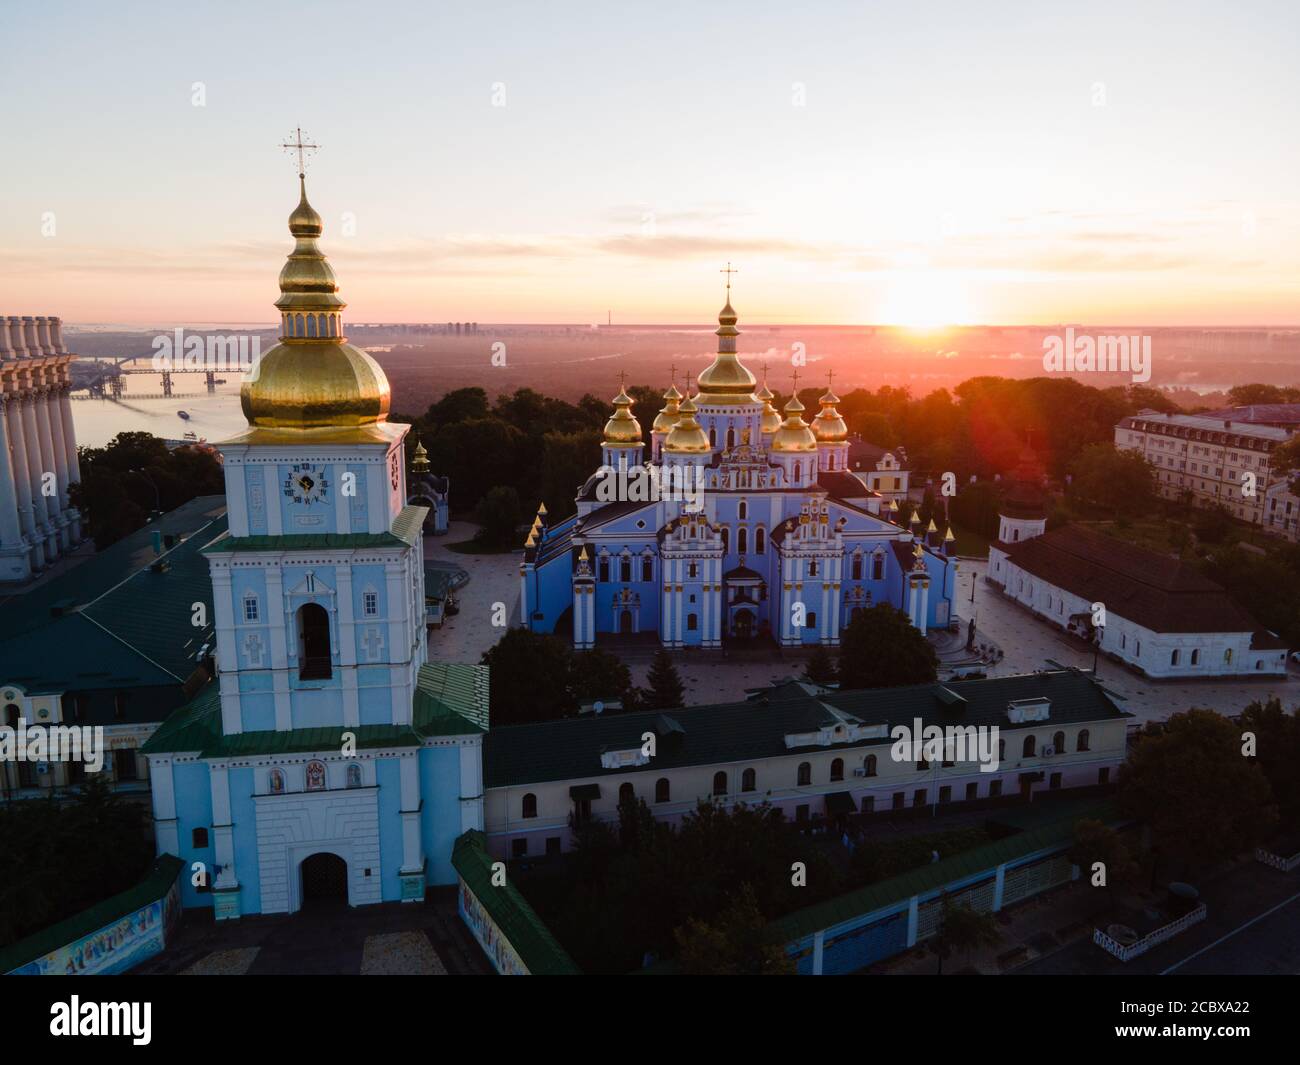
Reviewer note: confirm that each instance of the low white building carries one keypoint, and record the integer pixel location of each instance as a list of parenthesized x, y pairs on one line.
[(815, 754), (1282, 511), (1161, 615)]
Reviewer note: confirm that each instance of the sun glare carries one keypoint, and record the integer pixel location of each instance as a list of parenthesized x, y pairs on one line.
[(924, 300)]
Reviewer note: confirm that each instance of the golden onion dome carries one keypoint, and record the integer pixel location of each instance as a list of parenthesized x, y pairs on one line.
[(420, 462), (687, 437), (622, 429), (667, 418), (794, 434), (313, 378), (828, 426), (727, 380)]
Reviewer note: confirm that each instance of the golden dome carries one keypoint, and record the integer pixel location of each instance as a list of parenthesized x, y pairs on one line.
[(420, 461), (828, 426), (687, 437), (622, 429), (727, 380), (667, 418), (313, 378), (794, 434)]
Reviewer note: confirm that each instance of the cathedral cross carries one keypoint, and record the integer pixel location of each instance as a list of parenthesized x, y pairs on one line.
[(300, 146), (728, 271)]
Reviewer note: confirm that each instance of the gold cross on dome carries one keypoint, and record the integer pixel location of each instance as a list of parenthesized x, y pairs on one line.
[(728, 271), (300, 146)]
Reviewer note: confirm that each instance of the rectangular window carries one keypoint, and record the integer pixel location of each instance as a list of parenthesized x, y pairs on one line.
[(972, 791), (995, 789), (868, 804), (552, 846), (1103, 775), (250, 609), (519, 848), (1054, 781), (900, 800), (370, 604), (124, 764), (801, 813), (945, 793), (918, 799)]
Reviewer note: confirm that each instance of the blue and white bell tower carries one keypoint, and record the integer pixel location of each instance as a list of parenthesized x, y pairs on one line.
[(328, 754)]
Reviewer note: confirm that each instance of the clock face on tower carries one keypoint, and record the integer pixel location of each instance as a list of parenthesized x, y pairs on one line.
[(307, 484)]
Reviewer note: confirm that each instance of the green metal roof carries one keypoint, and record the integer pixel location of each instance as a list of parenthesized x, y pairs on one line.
[(755, 729), (450, 700), (166, 868), (129, 626), (532, 940), (930, 878), (405, 532), (104, 570)]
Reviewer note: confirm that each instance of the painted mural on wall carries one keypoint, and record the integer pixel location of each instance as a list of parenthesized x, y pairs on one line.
[(493, 941), (116, 947)]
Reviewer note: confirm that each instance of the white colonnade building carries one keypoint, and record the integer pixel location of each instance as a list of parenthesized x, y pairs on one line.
[(38, 447)]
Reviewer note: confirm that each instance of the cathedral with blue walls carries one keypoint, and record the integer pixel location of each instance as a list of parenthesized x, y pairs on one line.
[(329, 759), (731, 523)]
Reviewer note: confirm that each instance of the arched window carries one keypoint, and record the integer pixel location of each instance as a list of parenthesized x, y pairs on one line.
[(647, 568), (625, 569), (354, 775), (311, 325), (713, 437), (1082, 744), (1027, 751), (726, 540), (1196, 656), (760, 541), (276, 781), (731, 439), (837, 769), (748, 780), (805, 774), (719, 783), (626, 794), (663, 790), (870, 765), (742, 540), (1173, 658), (742, 510), (334, 325), (812, 567), (692, 622), (315, 776), (529, 806), (12, 714), (877, 567), (1058, 743), (314, 643), (604, 568), (297, 325), (857, 567)]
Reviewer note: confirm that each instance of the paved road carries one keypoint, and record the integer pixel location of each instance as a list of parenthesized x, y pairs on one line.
[(1269, 946)]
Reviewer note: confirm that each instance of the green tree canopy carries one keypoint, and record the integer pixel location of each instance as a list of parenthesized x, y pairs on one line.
[(881, 648)]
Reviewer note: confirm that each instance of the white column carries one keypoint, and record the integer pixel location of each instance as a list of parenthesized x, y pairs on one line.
[(23, 481), (223, 831), (11, 533), (40, 506), (49, 465), (162, 786), (278, 631), (412, 850)]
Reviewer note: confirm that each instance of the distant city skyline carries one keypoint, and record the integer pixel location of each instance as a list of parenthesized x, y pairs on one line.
[(516, 164)]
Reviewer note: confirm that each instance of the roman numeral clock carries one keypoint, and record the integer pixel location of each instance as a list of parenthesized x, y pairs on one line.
[(307, 484)]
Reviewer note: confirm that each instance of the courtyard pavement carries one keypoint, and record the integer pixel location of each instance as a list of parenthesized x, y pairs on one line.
[(386, 940), (1028, 644)]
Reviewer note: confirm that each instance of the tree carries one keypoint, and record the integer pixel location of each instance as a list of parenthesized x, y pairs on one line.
[(962, 929), (498, 514), (1097, 844), (820, 667), (666, 691), (1118, 480), (881, 648), (568, 459), (600, 675), (530, 673), (1277, 748), (1190, 783), (733, 944)]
